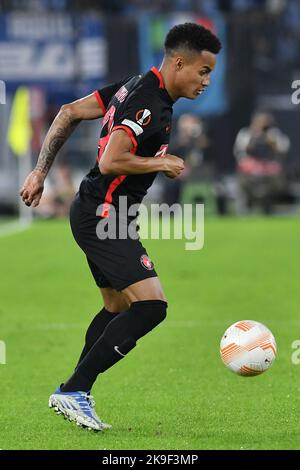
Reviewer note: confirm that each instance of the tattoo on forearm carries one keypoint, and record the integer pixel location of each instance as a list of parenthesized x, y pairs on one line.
[(61, 128)]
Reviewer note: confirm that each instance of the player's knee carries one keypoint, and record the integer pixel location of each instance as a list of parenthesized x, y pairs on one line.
[(161, 296), (158, 294), (115, 303), (116, 306)]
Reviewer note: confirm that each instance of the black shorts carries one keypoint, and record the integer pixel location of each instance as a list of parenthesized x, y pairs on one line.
[(115, 263)]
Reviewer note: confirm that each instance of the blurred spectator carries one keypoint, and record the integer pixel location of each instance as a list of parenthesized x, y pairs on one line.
[(59, 193), (207, 7), (188, 143), (259, 150)]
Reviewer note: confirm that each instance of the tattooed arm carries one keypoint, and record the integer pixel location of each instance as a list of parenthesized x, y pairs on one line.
[(62, 127)]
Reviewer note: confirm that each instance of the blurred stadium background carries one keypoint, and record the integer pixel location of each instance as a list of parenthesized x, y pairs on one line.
[(241, 144), (62, 50)]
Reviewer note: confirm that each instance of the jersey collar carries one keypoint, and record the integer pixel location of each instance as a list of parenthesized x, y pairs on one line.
[(162, 87), (159, 76)]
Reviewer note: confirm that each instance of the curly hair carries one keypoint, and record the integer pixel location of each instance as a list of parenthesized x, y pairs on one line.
[(193, 37)]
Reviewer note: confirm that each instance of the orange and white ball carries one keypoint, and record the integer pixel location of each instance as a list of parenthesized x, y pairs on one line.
[(248, 348)]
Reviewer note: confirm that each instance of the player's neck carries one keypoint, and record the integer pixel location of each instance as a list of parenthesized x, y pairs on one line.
[(166, 75)]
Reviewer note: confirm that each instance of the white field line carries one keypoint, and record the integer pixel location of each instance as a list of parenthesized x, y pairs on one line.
[(66, 326), (167, 324), (13, 228)]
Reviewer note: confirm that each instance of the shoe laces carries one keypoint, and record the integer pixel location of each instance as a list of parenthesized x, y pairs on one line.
[(91, 400), (86, 401)]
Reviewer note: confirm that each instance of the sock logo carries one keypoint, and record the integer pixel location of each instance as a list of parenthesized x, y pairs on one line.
[(146, 262), (118, 351)]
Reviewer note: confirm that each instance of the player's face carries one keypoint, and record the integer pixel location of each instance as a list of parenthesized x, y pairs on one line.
[(193, 74)]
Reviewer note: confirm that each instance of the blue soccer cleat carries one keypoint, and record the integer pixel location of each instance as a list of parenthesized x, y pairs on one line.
[(78, 407)]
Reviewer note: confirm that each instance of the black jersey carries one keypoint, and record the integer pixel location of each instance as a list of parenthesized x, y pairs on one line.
[(142, 107)]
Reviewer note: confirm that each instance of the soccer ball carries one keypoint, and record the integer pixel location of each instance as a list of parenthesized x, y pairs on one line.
[(248, 348)]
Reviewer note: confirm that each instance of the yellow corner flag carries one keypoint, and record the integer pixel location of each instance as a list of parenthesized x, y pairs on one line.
[(20, 131)]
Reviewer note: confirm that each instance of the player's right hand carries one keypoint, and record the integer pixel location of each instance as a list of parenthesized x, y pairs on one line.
[(33, 188), (174, 165)]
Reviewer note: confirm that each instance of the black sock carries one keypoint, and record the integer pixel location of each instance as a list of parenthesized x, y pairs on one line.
[(94, 331), (118, 338)]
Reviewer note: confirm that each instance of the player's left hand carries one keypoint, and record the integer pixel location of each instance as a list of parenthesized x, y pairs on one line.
[(33, 188)]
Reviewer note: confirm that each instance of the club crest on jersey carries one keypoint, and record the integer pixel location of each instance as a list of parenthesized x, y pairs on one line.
[(146, 262), (143, 117)]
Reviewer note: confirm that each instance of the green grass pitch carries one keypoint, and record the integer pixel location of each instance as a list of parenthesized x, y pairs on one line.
[(172, 391)]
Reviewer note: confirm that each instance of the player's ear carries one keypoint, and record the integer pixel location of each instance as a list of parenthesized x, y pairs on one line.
[(179, 63)]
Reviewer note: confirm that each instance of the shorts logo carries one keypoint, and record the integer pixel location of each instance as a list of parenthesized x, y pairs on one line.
[(143, 117), (146, 262)]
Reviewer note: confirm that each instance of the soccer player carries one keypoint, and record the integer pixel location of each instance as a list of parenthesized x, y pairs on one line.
[(132, 149)]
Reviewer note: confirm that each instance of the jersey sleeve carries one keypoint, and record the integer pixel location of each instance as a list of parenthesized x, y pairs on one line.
[(104, 95), (140, 117)]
